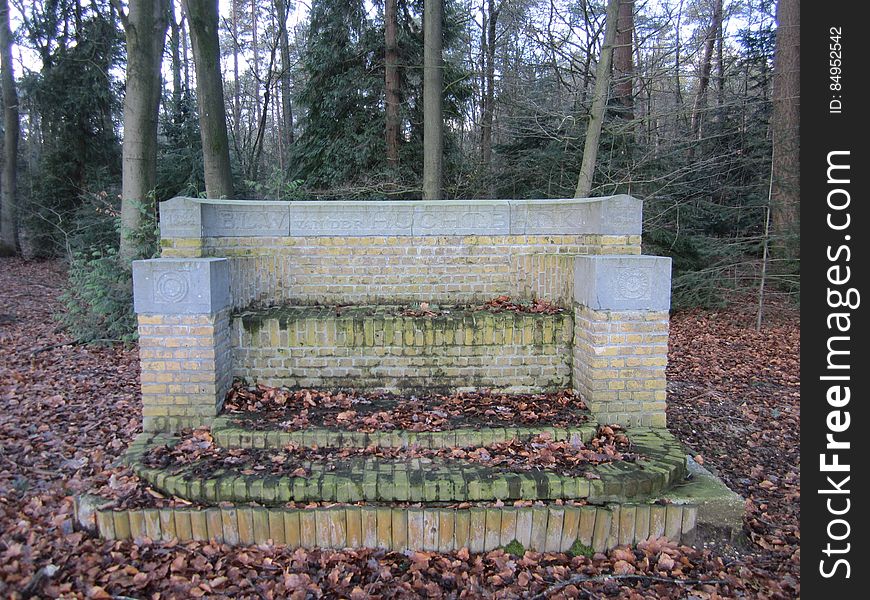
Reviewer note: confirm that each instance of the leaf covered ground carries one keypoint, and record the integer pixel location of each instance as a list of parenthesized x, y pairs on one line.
[(368, 412), (68, 411)]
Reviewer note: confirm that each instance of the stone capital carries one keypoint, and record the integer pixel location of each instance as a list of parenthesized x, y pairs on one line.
[(181, 285), (623, 282)]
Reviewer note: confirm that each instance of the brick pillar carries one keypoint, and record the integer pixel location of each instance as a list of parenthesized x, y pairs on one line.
[(621, 336), (183, 307)]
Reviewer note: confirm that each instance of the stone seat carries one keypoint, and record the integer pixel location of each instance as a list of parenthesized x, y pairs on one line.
[(376, 347)]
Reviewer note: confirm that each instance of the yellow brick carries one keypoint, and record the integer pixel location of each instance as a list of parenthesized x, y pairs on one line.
[(150, 319)]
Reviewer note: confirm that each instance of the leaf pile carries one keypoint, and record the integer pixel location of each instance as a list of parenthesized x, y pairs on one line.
[(369, 412), (537, 306), (571, 458), (734, 396), (67, 412)]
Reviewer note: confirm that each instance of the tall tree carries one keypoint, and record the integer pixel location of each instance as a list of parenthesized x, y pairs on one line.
[(713, 33), (11, 126), (433, 126), (287, 137), (785, 191), (623, 63), (202, 17), (599, 103), (145, 26), (490, 21), (391, 80)]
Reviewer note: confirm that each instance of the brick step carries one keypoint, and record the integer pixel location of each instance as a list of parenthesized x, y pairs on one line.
[(249, 430), (368, 479), (577, 529)]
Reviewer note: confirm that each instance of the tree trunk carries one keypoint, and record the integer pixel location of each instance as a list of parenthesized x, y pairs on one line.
[(704, 79), (202, 16), (9, 199), (433, 128), (255, 46), (599, 103), (287, 137), (785, 192), (623, 88), (185, 54), (237, 90), (145, 27), (489, 84), (175, 53), (391, 80)]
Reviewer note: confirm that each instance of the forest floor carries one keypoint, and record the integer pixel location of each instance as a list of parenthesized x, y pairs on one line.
[(68, 411)]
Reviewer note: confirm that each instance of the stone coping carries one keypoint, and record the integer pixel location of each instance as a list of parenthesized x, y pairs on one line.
[(229, 434), (578, 529), (183, 217), (361, 479)]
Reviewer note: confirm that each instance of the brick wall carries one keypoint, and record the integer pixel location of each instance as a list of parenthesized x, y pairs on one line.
[(310, 347), (185, 363), (378, 269), (619, 364)]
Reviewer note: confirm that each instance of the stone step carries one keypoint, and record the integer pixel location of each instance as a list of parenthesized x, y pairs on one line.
[(576, 529), (248, 430), (370, 479)]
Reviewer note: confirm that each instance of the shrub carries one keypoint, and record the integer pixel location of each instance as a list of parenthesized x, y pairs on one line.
[(98, 299)]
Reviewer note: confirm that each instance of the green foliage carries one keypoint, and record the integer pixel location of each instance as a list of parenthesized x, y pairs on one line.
[(342, 142), (179, 159), (277, 186), (578, 548), (98, 300), (515, 548), (72, 100)]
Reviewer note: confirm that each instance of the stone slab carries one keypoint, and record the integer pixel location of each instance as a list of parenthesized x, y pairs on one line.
[(180, 217), (623, 282), (611, 215), (718, 508), (183, 217), (245, 218), (181, 285)]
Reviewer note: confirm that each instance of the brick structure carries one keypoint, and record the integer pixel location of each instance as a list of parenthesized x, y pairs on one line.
[(610, 344), (362, 348), (184, 340)]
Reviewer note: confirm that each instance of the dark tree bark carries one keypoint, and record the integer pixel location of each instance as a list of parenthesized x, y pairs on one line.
[(391, 80), (433, 127), (785, 191), (11, 126), (145, 27), (202, 17)]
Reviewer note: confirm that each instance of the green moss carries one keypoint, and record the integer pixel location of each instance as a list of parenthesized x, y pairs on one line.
[(578, 548), (515, 548)]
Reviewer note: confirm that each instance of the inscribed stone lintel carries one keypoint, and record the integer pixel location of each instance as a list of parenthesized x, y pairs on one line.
[(190, 217)]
